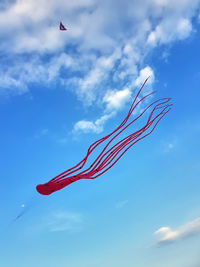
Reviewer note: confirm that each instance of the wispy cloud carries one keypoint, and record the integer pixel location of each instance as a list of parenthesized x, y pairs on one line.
[(182, 28), (100, 71), (89, 126), (96, 50), (143, 74), (65, 221), (166, 235), (114, 100), (101, 56)]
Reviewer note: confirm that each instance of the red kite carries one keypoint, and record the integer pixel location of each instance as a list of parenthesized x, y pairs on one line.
[(110, 154), (62, 27)]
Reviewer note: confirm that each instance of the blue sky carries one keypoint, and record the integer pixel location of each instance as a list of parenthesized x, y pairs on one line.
[(59, 92)]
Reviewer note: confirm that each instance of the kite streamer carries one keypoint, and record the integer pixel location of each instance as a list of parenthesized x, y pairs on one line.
[(110, 155)]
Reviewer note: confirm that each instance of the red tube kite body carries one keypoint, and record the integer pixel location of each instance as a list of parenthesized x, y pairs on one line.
[(110, 154)]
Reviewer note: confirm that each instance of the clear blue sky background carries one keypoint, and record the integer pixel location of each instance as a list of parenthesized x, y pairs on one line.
[(54, 102)]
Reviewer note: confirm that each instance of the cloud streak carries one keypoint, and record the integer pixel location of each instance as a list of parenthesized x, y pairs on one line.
[(101, 37), (114, 100), (167, 236), (89, 126), (101, 56)]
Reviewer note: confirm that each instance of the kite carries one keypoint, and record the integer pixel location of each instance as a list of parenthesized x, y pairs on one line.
[(110, 154), (62, 27)]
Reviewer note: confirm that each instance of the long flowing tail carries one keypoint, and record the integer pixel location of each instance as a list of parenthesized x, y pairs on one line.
[(110, 155)]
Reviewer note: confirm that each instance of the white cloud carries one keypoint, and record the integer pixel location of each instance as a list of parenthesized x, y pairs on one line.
[(15, 79), (89, 126), (10, 85), (102, 66), (166, 235), (145, 73), (184, 28), (104, 43), (163, 32), (116, 99)]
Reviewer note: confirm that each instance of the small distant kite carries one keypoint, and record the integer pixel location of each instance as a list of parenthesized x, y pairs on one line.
[(62, 27), (110, 154)]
